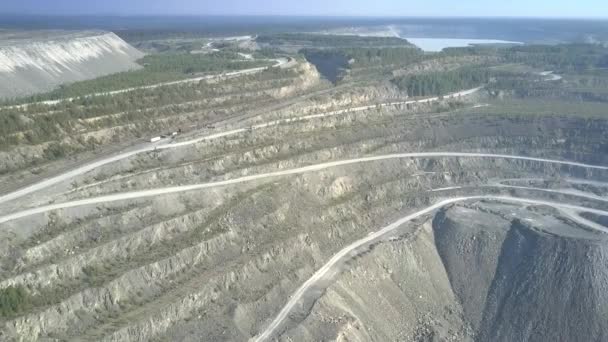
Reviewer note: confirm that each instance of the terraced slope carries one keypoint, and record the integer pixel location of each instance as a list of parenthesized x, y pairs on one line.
[(222, 262), (129, 120)]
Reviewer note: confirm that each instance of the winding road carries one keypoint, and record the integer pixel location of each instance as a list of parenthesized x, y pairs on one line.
[(159, 146), (326, 271), (299, 170), (347, 252)]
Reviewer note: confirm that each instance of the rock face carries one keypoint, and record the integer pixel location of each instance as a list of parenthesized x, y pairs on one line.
[(522, 284), (41, 61), (473, 274)]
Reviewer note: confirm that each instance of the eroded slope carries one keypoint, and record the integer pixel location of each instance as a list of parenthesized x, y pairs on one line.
[(42, 61)]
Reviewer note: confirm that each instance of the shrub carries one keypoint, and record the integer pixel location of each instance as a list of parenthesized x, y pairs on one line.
[(13, 300), (55, 151)]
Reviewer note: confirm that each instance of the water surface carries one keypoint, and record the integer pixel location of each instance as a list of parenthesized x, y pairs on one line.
[(438, 44)]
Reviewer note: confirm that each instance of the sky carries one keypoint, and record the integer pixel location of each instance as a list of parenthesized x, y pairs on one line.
[(405, 8)]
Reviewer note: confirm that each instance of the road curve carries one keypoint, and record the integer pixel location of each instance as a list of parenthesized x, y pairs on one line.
[(568, 192), (91, 166), (346, 252), (299, 170)]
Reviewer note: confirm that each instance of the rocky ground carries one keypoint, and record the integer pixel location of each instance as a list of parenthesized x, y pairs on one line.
[(219, 263)]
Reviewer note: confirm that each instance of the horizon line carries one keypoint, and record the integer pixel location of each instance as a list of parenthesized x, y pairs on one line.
[(327, 16)]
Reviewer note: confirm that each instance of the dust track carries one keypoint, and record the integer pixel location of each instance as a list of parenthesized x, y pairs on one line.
[(160, 146), (300, 170)]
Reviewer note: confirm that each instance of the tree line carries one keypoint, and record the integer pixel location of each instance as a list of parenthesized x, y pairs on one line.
[(326, 40)]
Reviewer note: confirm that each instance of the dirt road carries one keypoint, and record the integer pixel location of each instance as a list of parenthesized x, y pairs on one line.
[(300, 170), (351, 250), (163, 145)]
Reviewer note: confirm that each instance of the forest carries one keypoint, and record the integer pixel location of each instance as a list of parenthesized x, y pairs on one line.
[(334, 63), (442, 83), (561, 57), (58, 120), (333, 41)]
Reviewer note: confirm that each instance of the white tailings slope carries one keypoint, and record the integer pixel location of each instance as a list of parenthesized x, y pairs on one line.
[(43, 61)]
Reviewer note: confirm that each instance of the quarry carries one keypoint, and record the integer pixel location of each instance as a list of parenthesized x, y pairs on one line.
[(460, 195)]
